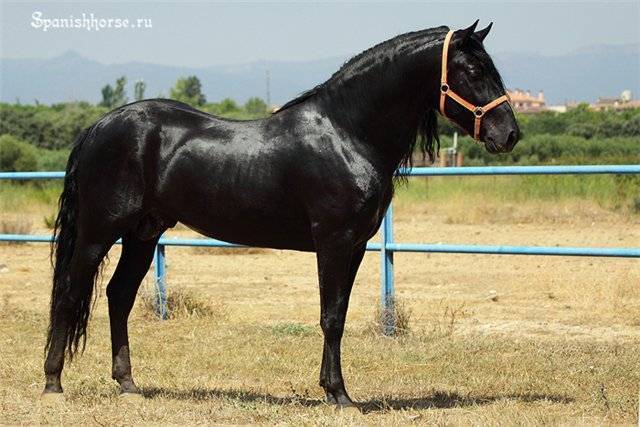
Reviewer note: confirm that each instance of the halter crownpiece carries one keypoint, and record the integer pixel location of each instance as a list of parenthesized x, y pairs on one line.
[(445, 90)]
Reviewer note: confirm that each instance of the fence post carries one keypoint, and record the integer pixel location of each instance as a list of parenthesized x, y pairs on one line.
[(387, 311), (161, 281)]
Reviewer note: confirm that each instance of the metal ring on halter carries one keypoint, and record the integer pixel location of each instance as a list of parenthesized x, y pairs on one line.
[(444, 88), (478, 112)]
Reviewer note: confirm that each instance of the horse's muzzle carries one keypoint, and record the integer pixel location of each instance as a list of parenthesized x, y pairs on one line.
[(506, 145)]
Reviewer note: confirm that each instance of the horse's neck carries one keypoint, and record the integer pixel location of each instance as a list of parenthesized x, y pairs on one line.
[(385, 109)]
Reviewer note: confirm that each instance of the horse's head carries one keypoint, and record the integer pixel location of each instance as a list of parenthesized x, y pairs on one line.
[(472, 94)]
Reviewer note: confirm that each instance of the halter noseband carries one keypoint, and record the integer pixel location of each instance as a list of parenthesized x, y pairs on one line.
[(445, 90)]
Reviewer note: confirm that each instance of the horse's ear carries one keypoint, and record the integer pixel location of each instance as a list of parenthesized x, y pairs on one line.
[(482, 34), (465, 35)]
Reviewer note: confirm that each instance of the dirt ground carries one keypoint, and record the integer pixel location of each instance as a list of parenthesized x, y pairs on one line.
[(493, 339)]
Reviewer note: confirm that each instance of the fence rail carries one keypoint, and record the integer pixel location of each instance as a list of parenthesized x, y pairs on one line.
[(387, 247), (428, 171)]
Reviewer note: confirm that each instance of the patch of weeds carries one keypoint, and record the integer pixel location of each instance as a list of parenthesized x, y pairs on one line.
[(288, 328), (49, 221), (635, 205), (604, 397), (399, 314), (444, 325), (181, 304)]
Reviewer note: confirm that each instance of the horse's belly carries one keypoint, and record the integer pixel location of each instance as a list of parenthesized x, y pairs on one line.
[(268, 233)]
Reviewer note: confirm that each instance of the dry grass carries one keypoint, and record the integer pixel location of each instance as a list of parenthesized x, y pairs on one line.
[(193, 371), (493, 340), (474, 209), (204, 250), (15, 225), (292, 328)]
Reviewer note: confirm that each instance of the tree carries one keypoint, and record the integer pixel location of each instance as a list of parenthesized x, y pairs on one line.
[(119, 96), (114, 97), (107, 96), (138, 90), (189, 91), (16, 155), (227, 106), (255, 106)]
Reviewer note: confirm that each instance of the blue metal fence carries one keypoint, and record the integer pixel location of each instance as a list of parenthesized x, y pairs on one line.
[(387, 247)]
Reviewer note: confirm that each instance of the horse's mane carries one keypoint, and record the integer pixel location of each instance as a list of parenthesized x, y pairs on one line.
[(300, 98), (350, 63)]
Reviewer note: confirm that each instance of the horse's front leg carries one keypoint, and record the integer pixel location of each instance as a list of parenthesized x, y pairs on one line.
[(335, 254)]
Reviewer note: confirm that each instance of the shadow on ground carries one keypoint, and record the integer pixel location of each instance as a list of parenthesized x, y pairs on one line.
[(437, 399), (444, 400)]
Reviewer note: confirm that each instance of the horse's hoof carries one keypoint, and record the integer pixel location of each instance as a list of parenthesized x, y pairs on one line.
[(131, 397), (52, 399)]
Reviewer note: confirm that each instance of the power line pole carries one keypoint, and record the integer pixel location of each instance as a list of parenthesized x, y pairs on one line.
[(268, 81)]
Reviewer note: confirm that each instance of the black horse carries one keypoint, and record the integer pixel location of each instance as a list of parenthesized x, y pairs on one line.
[(315, 176)]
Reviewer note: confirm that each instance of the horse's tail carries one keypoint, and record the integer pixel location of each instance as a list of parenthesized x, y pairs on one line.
[(73, 304)]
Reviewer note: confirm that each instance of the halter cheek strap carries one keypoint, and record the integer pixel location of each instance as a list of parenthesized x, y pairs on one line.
[(445, 90)]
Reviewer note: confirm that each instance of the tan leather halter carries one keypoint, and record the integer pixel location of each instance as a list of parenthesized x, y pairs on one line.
[(445, 90)]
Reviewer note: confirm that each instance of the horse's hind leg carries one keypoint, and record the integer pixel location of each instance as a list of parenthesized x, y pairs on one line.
[(121, 292)]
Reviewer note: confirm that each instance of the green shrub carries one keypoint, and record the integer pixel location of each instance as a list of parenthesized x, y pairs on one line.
[(580, 121), (53, 160), (555, 149), (16, 155), (51, 127)]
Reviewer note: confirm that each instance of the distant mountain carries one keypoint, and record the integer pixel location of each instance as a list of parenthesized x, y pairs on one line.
[(581, 75), (71, 76)]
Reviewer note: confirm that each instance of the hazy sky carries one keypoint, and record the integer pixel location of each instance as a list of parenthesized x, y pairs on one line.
[(207, 33)]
